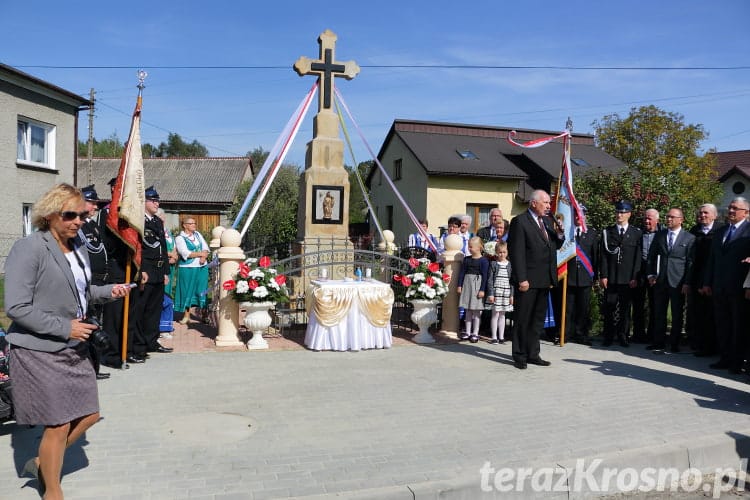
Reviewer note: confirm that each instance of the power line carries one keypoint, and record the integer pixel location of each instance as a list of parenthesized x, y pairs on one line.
[(422, 66), (164, 129)]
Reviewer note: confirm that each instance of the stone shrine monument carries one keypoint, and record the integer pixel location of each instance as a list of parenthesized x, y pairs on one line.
[(323, 213)]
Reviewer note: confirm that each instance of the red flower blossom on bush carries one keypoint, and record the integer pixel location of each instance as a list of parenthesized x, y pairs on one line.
[(413, 263), (433, 267), (252, 284), (280, 280), (405, 280), (229, 285), (264, 262)]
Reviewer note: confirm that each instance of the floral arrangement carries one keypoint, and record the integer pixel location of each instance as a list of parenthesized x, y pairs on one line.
[(259, 284), (426, 281)]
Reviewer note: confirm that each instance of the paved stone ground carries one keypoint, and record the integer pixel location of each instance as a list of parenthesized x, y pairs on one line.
[(412, 421)]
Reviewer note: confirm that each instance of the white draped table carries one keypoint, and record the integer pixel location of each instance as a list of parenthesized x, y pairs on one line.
[(348, 315)]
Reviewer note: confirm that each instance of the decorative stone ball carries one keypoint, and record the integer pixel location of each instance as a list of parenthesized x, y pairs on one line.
[(230, 238), (453, 242), (217, 232)]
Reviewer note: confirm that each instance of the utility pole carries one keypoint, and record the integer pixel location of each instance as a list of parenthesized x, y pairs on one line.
[(90, 171)]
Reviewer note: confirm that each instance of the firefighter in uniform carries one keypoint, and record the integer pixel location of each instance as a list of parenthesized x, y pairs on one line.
[(118, 254), (98, 260), (618, 272), (154, 263)]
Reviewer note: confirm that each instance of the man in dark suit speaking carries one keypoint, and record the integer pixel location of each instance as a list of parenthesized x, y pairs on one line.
[(533, 240), (670, 265)]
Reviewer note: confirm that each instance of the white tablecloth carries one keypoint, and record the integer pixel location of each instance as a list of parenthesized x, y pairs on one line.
[(354, 331)]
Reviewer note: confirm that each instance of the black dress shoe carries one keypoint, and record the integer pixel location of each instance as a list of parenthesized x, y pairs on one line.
[(133, 358), (538, 362), (521, 365), (102, 376), (655, 347), (735, 370), (163, 349)]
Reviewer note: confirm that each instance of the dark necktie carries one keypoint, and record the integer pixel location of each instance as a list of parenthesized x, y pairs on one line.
[(670, 240), (622, 232), (541, 226), (729, 234)]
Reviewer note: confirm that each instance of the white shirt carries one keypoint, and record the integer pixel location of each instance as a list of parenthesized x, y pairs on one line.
[(196, 239)]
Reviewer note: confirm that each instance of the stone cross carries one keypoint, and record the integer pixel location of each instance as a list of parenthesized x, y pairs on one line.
[(326, 68)]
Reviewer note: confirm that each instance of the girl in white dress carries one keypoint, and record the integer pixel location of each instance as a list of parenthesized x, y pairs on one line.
[(499, 292)]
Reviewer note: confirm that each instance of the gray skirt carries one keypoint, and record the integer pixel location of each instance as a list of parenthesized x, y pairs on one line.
[(472, 286), (52, 388)]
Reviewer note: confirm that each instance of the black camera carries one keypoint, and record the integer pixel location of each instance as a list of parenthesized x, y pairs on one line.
[(98, 337)]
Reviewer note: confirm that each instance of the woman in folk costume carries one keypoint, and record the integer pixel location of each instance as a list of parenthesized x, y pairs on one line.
[(192, 282)]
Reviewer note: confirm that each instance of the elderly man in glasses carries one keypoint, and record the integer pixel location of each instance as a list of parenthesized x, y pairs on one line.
[(725, 275)]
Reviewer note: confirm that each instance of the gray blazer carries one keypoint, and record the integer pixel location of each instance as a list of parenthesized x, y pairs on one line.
[(40, 292), (675, 266)]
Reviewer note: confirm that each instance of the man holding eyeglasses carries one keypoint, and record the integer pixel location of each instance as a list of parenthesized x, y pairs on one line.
[(670, 264), (724, 282)]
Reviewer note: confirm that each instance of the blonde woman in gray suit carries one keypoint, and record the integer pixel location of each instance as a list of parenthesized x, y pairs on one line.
[(47, 291)]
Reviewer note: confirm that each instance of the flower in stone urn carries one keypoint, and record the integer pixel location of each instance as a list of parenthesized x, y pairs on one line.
[(426, 281), (261, 283)]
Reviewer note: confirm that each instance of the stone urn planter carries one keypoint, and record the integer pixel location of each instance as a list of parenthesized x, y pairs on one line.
[(425, 314), (257, 320)]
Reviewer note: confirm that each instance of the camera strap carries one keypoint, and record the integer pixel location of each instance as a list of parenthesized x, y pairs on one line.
[(84, 270)]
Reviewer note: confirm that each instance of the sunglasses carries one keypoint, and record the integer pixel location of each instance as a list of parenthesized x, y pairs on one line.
[(69, 215)]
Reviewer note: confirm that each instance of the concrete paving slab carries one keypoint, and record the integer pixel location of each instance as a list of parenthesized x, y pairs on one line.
[(408, 422)]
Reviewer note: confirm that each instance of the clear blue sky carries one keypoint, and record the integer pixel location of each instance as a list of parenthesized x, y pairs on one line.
[(233, 111)]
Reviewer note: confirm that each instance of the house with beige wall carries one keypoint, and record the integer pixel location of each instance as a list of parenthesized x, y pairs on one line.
[(38, 140), (442, 169), (733, 173)]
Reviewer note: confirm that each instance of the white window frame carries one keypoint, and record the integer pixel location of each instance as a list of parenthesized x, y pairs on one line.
[(27, 227), (23, 143)]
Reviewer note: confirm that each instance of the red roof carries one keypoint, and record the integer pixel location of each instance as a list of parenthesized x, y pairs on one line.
[(727, 160)]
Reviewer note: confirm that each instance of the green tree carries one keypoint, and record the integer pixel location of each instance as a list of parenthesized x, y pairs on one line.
[(258, 157), (111, 147), (176, 147), (357, 204), (276, 219), (664, 167)]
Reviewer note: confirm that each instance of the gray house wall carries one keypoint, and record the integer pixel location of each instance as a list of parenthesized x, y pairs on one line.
[(22, 184)]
